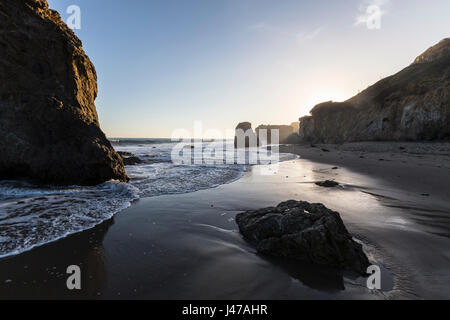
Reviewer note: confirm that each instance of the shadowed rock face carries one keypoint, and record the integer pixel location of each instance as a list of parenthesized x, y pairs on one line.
[(413, 104), (284, 132), (303, 231), (48, 121)]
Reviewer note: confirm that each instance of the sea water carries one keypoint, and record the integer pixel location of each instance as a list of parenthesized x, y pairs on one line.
[(33, 215)]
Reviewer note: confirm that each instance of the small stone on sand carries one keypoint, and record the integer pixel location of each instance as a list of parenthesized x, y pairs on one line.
[(327, 184)]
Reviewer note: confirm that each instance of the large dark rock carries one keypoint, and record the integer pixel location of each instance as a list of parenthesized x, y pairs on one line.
[(48, 122), (303, 231), (413, 104)]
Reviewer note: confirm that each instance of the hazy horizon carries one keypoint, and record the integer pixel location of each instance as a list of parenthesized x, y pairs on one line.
[(163, 65)]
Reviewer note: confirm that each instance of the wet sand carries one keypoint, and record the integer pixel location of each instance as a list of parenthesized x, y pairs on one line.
[(412, 168), (188, 247)]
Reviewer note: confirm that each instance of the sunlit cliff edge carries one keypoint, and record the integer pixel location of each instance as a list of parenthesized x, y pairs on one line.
[(413, 104), (48, 120)]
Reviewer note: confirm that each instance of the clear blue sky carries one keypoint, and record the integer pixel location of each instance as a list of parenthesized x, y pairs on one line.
[(162, 64)]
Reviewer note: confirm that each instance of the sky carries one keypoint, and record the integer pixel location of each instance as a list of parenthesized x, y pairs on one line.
[(164, 64)]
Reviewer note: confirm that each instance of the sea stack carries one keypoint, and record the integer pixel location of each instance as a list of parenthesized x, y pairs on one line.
[(245, 137), (413, 104), (262, 135), (48, 120)]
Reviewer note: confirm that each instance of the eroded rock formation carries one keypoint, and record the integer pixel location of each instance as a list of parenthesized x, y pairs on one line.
[(284, 132), (413, 104), (48, 121), (303, 231), (263, 134), (245, 137)]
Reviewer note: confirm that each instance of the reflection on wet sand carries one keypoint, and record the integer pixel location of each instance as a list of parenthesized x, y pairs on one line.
[(41, 273), (315, 277), (188, 247)]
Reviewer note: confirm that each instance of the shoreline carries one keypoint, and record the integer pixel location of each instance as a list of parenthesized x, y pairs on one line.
[(418, 169), (187, 241)]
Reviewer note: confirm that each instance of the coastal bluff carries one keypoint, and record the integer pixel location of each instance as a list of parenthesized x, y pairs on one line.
[(48, 120), (413, 104)]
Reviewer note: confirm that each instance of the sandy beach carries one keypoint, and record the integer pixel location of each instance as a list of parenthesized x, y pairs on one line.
[(225, 151), (188, 247)]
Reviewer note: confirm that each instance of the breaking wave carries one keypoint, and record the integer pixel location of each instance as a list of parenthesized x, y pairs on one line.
[(31, 215)]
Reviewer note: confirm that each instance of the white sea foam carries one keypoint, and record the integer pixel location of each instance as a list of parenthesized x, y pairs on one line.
[(31, 215)]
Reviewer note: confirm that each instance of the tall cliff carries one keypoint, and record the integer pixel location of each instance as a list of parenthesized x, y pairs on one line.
[(413, 104), (48, 121)]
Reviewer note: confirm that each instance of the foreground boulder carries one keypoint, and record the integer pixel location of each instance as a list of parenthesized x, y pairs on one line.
[(48, 121), (413, 104), (303, 231)]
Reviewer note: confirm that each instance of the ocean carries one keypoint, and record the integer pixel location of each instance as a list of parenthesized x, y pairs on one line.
[(33, 215)]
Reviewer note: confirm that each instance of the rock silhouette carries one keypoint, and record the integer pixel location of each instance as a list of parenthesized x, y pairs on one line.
[(48, 120), (245, 137), (413, 104), (263, 134)]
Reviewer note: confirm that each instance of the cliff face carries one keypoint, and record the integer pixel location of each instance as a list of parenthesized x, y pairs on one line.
[(284, 132), (413, 104), (48, 121)]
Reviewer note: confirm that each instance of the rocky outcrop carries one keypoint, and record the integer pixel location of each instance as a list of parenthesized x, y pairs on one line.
[(129, 159), (303, 231), (293, 139), (295, 126), (48, 121), (263, 134), (284, 132), (245, 137), (413, 104)]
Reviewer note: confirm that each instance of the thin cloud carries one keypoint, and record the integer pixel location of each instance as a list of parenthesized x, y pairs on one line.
[(299, 37), (305, 36), (267, 28), (258, 26)]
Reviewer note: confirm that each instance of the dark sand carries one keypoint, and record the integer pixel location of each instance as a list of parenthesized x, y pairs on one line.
[(188, 247)]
